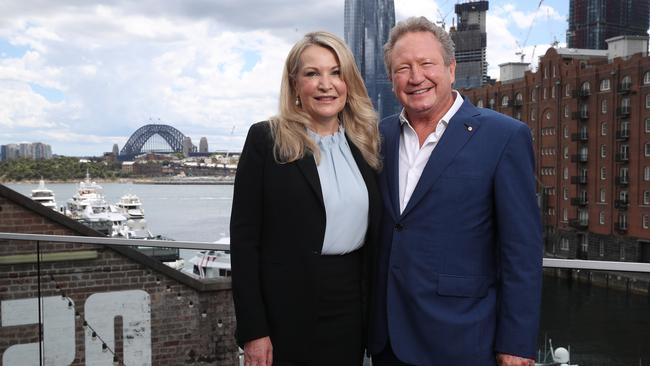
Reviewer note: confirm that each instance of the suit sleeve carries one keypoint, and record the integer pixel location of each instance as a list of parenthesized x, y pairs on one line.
[(519, 240), (246, 222)]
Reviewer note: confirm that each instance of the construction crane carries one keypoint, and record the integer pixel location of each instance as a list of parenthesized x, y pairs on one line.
[(521, 47)]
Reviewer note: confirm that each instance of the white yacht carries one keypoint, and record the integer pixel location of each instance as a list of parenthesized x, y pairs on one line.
[(211, 263), (44, 196), (131, 206), (89, 207)]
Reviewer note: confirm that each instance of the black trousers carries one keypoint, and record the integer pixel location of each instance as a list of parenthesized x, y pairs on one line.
[(387, 357), (339, 327)]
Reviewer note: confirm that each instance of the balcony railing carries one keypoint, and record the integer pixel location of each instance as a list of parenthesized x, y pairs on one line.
[(579, 158), (581, 93), (621, 227), (621, 204), (623, 134), (579, 179), (580, 136), (624, 88), (622, 158), (579, 224), (579, 201), (622, 181), (583, 114), (623, 111)]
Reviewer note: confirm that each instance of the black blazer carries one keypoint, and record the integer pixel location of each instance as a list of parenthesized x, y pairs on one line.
[(277, 227)]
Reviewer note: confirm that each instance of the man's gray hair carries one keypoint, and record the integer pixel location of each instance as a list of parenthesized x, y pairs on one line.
[(418, 24)]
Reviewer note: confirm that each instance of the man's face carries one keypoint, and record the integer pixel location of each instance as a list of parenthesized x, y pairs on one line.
[(421, 80)]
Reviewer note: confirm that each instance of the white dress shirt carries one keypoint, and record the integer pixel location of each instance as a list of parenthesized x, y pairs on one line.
[(412, 157)]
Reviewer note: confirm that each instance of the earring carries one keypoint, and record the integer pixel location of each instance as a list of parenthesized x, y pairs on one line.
[(297, 102)]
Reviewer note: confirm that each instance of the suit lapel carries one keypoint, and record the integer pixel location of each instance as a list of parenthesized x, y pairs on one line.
[(459, 130), (307, 166), (391, 132)]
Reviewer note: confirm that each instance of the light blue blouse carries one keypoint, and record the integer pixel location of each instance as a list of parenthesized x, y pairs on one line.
[(344, 193)]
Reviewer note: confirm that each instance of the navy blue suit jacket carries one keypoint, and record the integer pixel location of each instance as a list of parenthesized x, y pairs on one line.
[(459, 271)]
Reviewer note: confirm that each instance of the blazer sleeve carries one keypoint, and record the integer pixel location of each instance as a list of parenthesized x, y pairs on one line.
[(246, 222), (519, 245)]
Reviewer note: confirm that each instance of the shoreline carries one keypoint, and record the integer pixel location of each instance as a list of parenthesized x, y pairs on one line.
[(154, 180)]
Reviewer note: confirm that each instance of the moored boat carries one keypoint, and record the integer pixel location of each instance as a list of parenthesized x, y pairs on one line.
[(44, 196)]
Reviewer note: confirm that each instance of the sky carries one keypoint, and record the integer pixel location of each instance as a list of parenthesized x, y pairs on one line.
[(82, 75)]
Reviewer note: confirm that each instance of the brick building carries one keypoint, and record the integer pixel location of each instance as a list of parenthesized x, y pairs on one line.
[(589, 114), (98, 299)]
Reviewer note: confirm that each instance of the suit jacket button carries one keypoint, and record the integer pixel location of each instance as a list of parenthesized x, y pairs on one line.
[(399, 227)]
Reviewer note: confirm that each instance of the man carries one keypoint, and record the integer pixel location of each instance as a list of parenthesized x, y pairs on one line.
[(460, 258)]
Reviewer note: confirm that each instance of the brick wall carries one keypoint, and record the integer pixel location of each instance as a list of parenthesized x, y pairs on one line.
[(142, 310)]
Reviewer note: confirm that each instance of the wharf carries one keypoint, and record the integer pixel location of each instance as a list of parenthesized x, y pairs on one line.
[(227, 180)]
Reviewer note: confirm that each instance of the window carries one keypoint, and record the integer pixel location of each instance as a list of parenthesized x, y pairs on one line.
[(603, 173), (603, 106), (566, 132), (647, 149), (565, 214), (647, 101), (604, 84), (601, 247), (479, 103), (565, 193), (567, 111), (601, 218), (646, 197), (646, 77), (644, 221), (548, 115), (625, 104), (564, 244), (603, 151), (504, 101), (533, 95), (544, 93), (567, 89), (626, 82), (553, 91), (519, 98), (566, 173), (623, 249), (565, 152), (646, 173), (584, 243), (603, 194), (585, 87), (647, 125), (603, 129), (491, 103), (532, 114)]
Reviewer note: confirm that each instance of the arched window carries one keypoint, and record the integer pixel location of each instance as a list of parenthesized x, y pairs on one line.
[(504, 101), (479, 103)]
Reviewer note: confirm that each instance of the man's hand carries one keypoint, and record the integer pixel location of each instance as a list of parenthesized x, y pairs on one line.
[(258, 352), (510, 360)]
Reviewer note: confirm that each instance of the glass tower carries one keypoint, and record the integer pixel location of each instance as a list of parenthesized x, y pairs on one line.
[(367, 24)]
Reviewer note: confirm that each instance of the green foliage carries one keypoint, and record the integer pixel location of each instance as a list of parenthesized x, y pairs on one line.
[(59, 168)]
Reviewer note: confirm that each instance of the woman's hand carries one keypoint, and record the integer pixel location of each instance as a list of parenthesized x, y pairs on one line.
[(258, 352)]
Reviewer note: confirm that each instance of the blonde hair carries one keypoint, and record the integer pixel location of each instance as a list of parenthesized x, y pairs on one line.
[(289, 127)]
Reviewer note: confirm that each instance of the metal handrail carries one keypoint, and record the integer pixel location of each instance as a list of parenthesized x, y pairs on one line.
[(547, 262), (114, 241)]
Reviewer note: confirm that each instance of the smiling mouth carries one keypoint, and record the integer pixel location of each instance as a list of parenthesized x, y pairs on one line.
[(325, 98), (419, 91)]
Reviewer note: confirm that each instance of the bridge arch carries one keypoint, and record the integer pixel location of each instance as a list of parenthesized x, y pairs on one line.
[(137, 140)]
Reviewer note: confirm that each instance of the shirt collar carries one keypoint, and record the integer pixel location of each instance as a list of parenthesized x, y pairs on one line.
[(458, 102)]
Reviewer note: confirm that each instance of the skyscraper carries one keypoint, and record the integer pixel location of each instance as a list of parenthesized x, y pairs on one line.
[(591, 22), (470, 39), (367, 24), (203, 145)]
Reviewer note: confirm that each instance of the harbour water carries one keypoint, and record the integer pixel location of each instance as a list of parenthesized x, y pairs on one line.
[(603, 327), (181, 212)]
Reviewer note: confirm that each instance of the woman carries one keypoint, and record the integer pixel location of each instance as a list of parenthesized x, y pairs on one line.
[(305, 213)]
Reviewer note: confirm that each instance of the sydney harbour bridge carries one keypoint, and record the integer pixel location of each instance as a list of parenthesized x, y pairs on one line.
[(156, 138)]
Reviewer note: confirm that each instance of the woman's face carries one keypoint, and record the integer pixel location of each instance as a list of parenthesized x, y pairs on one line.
[(319, 86)]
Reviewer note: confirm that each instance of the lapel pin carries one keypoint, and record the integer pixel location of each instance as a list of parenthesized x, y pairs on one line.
[(469, 128)]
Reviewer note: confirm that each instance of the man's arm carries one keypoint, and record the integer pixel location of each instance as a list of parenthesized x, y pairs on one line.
[(519, 241)]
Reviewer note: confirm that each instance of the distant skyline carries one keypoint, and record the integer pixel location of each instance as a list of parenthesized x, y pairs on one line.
[(82, 76)]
